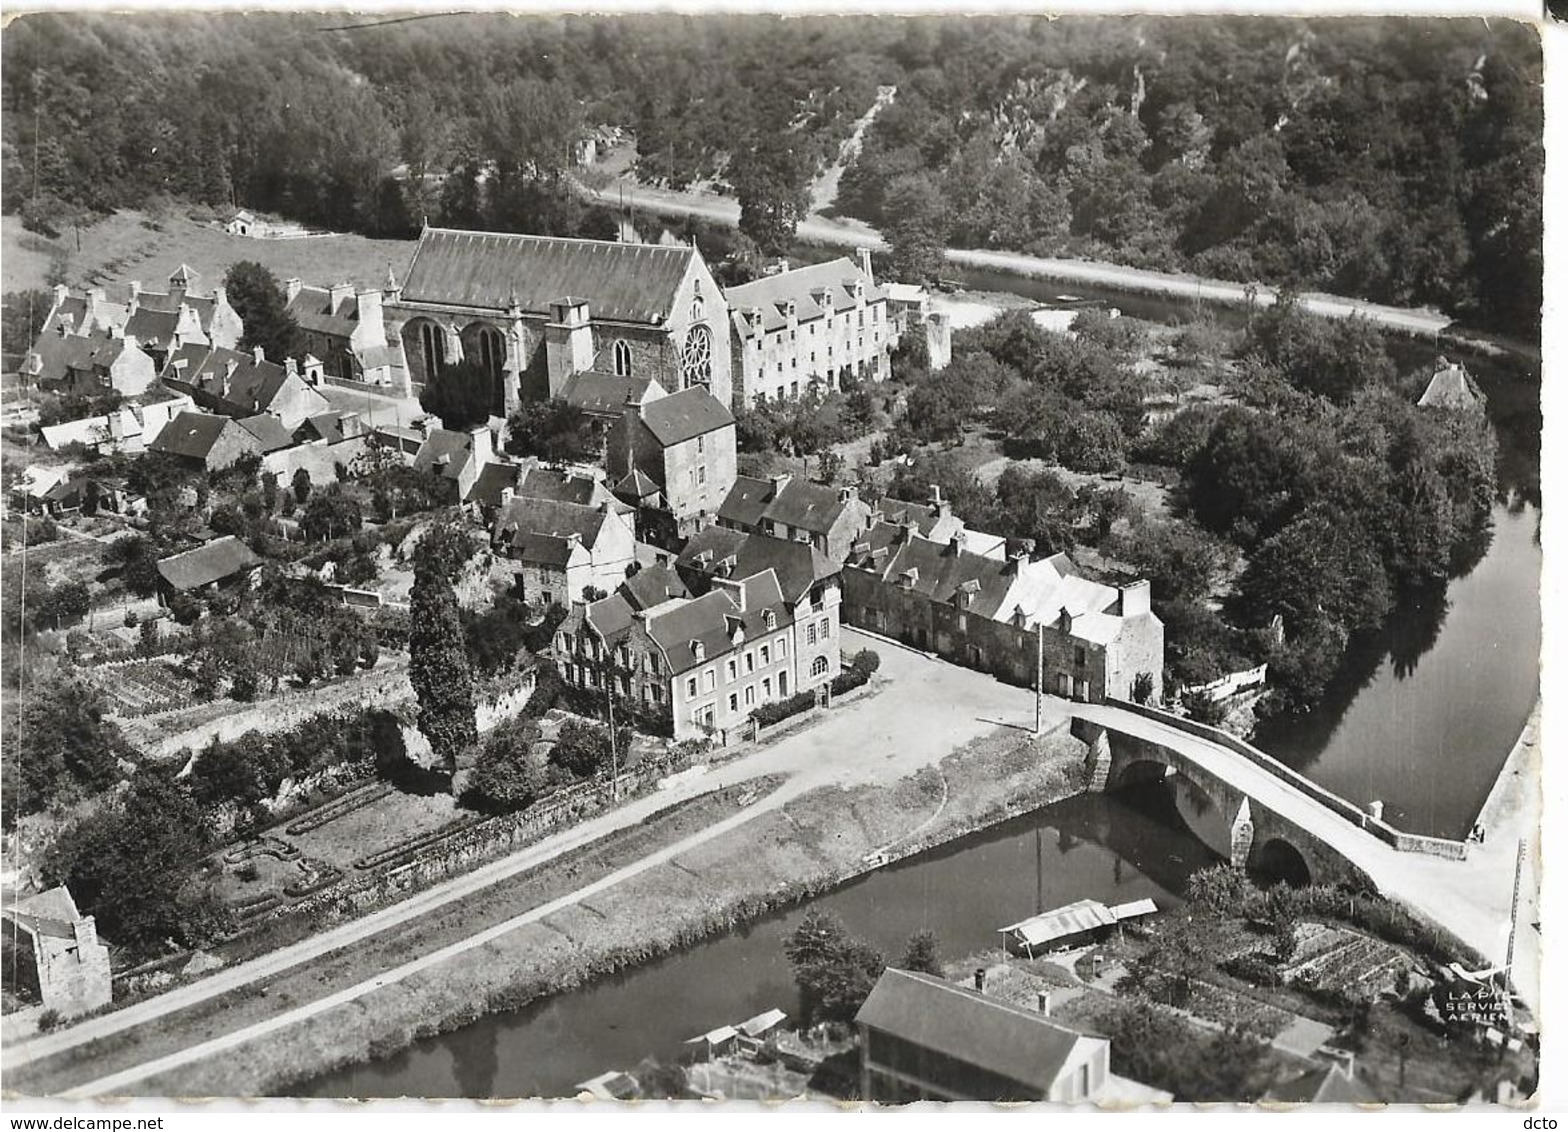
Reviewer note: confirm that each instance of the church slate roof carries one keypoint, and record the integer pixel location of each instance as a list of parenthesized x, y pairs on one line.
[(487, 270)]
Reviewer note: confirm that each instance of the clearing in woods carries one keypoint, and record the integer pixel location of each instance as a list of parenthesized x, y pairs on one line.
[(133, 245)]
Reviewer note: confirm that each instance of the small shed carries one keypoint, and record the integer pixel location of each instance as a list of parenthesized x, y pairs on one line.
[(754, 1031), (611, 1086), (715, 1043), (221, 561), (1072, 925)]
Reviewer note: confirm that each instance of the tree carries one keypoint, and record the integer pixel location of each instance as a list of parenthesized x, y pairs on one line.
[(1093, 442), (438, 665), (301, 485), (916, 229), (1177, 955), (133, 865), (257, 297), (1322, 566), (581, 748), (62, 605), (922, 953), (830, 466), (22, 315), (770, 176), (1142, 687), (551, 430), (1217, 890), (65, 748), (833, 971), (463, 395), (506, 776), (331, 514)]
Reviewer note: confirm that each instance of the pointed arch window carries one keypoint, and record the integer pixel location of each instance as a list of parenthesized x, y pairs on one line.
[(622, 356)]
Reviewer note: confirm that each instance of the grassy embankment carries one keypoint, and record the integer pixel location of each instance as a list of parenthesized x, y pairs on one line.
[(783, 856)]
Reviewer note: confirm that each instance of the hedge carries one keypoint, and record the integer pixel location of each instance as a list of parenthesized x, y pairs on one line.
[(849, 679), (769, 714)]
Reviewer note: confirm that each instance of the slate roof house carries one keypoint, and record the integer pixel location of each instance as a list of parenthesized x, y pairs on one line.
[(924, 1038), (809, 582), (223, 561), (243, 384), (208, 439), (829, 518), (993, 614), (535, 310), (71, 962), (187, 317), (818, 324), (674, 459), (704, 663), (1452, 387), (345, 327), (90, 363), (563, 548)]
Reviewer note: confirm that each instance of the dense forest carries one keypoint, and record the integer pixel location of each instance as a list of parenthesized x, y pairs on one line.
[(1396, 160)]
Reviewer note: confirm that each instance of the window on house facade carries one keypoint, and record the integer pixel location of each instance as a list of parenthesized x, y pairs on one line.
[(729, 671), (779, 644), (1080, 656), (691, 685), (811, 634), (826, 630), (700, 445), (623, 358), (751, 694), (783, 683), (702, 473), (819, 667), (658, 693), (769, 619), (751, 662), (707, 680), (767, 687), (767, 654), (734, 702)]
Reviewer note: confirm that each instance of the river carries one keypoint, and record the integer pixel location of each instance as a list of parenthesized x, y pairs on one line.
[(1422, 719)]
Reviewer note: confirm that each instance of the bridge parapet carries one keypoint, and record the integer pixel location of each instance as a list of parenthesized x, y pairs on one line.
[(1382, 830)]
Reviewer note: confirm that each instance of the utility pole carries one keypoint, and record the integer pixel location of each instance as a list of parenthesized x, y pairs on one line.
[(1513, 915), (609, 701), (1039, 678)]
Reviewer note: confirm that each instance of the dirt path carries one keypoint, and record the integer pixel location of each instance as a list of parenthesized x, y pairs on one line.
[(824, 190)]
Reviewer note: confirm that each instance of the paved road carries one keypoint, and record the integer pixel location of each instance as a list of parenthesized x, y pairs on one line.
[(844, 232), (911, 723)]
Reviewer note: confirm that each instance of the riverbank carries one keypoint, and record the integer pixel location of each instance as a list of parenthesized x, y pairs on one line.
[(593, 915)]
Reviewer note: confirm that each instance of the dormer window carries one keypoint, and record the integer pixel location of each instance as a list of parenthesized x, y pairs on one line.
[(698, 652), (769, 619)]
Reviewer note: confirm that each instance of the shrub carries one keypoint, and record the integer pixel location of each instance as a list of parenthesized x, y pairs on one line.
[(1253, 968), (769, 714), (849, 679), (51, 1019), (248, 872), (867, 661)]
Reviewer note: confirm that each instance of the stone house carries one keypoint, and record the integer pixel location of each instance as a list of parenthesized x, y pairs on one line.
[(239, 384), (127, 429), (345, 328), (673, 458), (994, 615), (534, 311), (809, 582), (562, 548), (456, 456), (89, 364), (215, 442), (69, 960), (829, 518), (816, 325), (117, 307), (910, 311), (705, 663)]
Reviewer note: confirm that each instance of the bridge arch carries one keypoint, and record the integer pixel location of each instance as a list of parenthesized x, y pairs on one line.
[(1276, 860)]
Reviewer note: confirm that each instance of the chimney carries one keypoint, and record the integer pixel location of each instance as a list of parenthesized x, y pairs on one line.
[(980, 979), (1016, 560), (337, 295), (1134, 599), (482, 445), (258, 354), (291, 367), (848, 494), (61, 293), (96, 295), (1043, 1000), (291, 289), (779, 480), (507, 494), (865, 264), (907, 530), (955, 545), (936, 495), (116, 330), (350, 425)]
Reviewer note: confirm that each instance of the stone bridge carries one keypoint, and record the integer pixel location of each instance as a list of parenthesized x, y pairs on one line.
[(1280, 822)]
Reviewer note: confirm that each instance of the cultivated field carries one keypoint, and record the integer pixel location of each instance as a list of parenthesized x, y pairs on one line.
[(132, 245)]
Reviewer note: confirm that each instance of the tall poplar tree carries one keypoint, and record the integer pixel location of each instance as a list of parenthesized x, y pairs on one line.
[(438, 665)]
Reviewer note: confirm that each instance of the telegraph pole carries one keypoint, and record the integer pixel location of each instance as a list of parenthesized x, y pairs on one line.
[(609, 701), (1039, 678), (1513, 915)]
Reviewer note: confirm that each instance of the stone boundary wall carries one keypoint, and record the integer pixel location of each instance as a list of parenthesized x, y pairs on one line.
[(1400, 840)]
